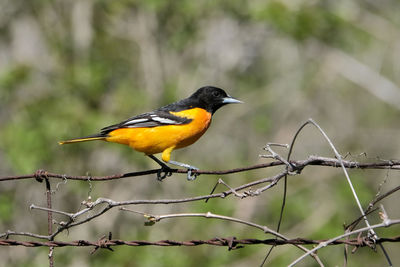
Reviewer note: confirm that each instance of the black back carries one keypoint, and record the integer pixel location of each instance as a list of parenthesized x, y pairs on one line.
[(209, 98)]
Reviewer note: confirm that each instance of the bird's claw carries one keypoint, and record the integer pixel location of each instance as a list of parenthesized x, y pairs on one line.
[(163, 173), (192, 176)]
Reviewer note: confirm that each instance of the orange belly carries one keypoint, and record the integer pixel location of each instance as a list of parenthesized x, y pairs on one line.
[(157, 139)]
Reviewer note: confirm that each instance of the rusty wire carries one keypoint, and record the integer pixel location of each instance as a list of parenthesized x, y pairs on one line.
[(297, 164), (230, 242)]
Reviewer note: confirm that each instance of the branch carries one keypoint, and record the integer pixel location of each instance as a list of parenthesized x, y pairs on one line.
[(339, 157), (156, 218), (385, 223), (111, 203)]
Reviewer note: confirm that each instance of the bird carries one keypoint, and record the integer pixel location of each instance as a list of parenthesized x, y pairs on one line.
[(165, 129)]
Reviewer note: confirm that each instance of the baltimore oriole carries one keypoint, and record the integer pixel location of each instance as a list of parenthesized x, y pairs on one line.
[(173, 126)]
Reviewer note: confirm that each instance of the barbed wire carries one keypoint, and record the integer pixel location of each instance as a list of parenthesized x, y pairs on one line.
[(298, 166), (250, 189), (230, 242)]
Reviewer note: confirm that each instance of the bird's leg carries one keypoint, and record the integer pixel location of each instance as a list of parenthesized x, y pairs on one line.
[(190, 168), (164, 172), (166, 157)]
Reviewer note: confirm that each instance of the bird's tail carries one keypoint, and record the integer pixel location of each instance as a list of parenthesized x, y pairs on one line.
[(84, 139)]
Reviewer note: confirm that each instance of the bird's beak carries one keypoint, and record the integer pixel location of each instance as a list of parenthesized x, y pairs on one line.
[(230, 100)]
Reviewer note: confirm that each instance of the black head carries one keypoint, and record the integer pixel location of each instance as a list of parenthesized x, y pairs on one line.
[(211, 98)]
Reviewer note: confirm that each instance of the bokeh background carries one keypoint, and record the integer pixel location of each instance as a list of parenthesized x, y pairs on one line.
[(68, 68)]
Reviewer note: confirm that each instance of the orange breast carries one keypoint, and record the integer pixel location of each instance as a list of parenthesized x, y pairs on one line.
[(156, 139)]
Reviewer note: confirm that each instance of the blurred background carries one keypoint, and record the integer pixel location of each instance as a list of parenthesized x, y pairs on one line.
[(69, 68)]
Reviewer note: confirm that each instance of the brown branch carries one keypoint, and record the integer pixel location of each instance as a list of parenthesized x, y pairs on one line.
[(49, 221), (369, 209)]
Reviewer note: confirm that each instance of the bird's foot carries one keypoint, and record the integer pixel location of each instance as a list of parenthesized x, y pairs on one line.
[(190, 175), (164, 172)]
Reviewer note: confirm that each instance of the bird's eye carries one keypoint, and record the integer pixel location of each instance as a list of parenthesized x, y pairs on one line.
[(216, 94)]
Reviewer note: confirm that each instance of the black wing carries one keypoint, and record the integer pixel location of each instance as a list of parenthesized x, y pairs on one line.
[(150, 119)]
